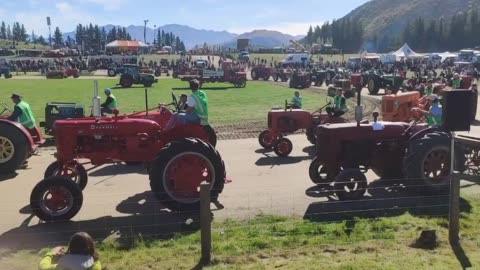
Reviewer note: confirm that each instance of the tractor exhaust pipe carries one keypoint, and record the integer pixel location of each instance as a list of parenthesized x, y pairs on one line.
[(146, 102), (96, 100)]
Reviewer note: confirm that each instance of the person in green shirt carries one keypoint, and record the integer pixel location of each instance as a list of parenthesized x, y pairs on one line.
[(296, 102), (197, 110), (80, 255), (429, 88), (456, 81), (22, 112), (110, 103), (339, 107)]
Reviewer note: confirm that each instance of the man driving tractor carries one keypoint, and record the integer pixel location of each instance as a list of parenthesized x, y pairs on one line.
[(339, 107), (197, 111), (434, 114), (22, 112), (456, 81), (110, 103)]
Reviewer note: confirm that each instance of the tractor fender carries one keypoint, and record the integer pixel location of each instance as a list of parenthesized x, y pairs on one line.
[(421, 133), (22, 128)]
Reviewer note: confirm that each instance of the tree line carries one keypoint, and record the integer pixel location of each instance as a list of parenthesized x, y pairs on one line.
[(90, 37), (441, 34)]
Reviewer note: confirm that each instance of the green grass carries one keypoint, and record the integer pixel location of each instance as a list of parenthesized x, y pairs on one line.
[(20, 45), (268, 242), (226, 105)]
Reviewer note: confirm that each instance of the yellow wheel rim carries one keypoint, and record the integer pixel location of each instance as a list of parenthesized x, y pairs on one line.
[(7, 149)]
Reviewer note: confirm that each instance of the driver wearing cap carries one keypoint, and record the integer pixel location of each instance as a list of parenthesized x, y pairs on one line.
[(22, 112)]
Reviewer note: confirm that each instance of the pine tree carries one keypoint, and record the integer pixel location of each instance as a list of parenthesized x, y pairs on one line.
[(79, 34), (57, 38), (3, 31), (310, 37), (33, 38), (9, 33), (41, 40)]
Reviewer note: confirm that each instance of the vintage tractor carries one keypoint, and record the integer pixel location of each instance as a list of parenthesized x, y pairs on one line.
[(396, 150), (377, 81), (300, 80), (350, 84), (282, 122), (131, 75), (261, 72), (280, 74), (178, 158), (17, 143), (319, 77), (5, 72), (163, 68), (229, 74), (58, 111), (63, 73)]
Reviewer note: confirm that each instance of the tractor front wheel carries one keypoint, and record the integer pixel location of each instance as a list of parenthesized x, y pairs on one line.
[(14, 148), (373, 87), (275, 77), (350, 184), (56, 199), (268, 139), (112, 73), (180, 168), (75, 171), (319, 174), (283, 147)]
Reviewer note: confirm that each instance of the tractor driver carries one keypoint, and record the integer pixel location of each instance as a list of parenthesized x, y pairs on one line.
[(434, 114), (197, 111), (296, 102), (22, 112), (429, 88), (339, 105), (456, 81), (110, 103)]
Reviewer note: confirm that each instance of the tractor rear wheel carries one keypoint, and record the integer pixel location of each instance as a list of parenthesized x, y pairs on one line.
[(56, 199), (126, 81), (350, 184), (428, 161), (254, 75), (180, 168), (373, 87), (268, 139), (157, 73), (275, 77), (283, 147), (319, 174), (212, 135), (14, 148), (76, 172), (112, 73)]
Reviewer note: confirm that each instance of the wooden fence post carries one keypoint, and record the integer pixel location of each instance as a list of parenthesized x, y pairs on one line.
[(205, 222)]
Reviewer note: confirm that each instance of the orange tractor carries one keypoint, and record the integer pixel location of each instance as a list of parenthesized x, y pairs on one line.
[(282, 122)]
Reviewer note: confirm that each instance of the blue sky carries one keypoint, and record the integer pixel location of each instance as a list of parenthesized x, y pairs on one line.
[(288, 16)]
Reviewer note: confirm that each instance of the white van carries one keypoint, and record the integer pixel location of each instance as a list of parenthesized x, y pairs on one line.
[(298, 58)]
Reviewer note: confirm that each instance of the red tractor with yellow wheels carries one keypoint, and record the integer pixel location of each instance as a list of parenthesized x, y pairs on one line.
[(282, 122), (177, 157)]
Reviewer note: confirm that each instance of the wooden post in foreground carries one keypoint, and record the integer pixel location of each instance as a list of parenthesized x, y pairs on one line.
[(205, 222)]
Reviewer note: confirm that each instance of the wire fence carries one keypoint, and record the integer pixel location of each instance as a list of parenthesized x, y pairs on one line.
[(143, 216)]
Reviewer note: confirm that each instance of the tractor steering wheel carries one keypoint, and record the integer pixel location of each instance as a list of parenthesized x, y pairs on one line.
[(175, 102), (412, 125), (5, 108)]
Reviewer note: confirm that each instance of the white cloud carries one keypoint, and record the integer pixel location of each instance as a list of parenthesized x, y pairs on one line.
[(108, 5), (285, 27)]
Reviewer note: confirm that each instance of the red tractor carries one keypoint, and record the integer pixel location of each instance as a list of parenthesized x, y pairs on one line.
[(393, 150), (261, 72), (63, 73), (282, 122), (350, 84), (177, 157), (17, 143), (228, 73)]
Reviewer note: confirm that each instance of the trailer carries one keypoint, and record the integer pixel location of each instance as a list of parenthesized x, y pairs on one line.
[(228, 74)]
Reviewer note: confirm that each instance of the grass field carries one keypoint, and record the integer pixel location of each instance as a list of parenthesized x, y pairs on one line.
[(5, 44), (267, 242), (226, 103)]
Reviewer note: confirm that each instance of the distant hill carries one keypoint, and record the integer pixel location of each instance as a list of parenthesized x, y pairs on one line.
[(263, 38), (189, 35), (384, 17)]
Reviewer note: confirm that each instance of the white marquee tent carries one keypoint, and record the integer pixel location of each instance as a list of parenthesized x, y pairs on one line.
[(405, 52)]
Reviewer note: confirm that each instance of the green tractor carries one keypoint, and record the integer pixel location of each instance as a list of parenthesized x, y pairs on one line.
[(377, 81), (131, 75)]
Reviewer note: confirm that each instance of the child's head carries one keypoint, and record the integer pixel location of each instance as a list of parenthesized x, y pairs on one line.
[(297, 94), (183, 98), (82, 243)]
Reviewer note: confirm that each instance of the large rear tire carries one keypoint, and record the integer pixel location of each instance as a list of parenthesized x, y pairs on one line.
[(427, 162), (212, 135), (56, 199), (178, 170), (373, 87), (311, 137), (126, 81), (14, 148), (350, 184)]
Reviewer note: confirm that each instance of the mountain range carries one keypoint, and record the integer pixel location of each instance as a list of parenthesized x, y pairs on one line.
[(383, 17), (192, 36)]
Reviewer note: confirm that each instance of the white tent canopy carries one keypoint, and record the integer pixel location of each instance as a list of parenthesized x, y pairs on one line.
[(405, 52)]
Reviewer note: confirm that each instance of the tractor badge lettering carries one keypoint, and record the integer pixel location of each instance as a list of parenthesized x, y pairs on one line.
[(103, 127)]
